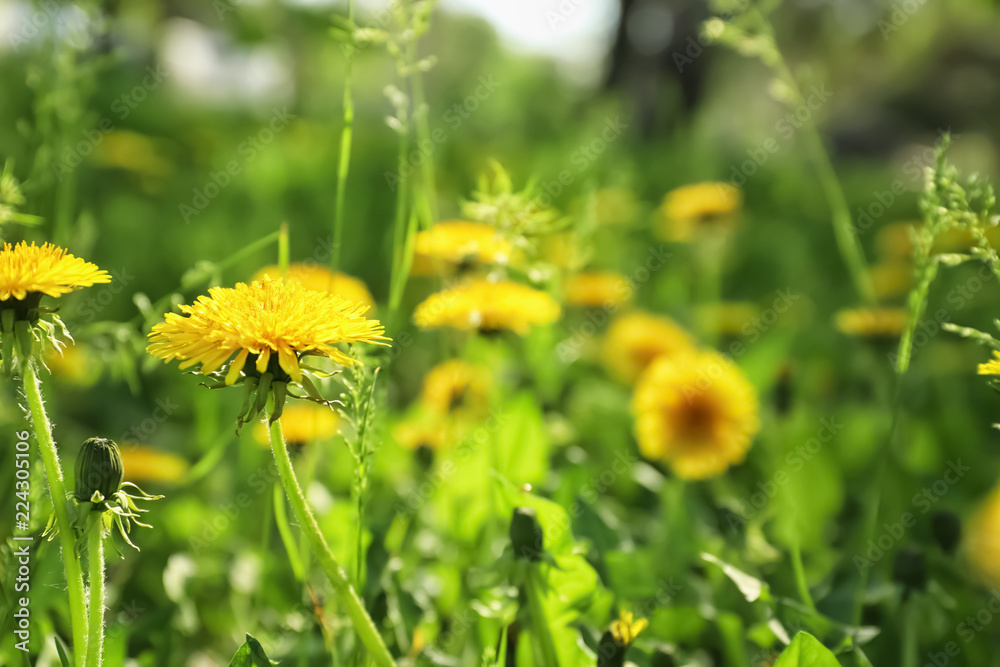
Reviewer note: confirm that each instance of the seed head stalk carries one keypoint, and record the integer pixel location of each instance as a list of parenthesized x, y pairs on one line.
[(57, 489)]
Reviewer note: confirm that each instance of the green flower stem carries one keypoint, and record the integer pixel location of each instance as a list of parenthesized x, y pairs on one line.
[(346, 595), (95, 554), (346, 136), (542, 638), (57, 489)]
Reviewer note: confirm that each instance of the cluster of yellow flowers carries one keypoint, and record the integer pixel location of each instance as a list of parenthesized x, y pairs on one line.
[(693, 408)]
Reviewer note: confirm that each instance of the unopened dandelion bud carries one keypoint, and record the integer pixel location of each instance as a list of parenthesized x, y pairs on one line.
[(526, 536), (99, 469)]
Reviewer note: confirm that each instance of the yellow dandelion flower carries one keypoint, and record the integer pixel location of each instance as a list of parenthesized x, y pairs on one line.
[(302, 423), (456, 242), (281, 318), (635, 339), (598, 289), (983, 540), (147, 464), (872, 322), (30, 270), (319, 278), (626, 628), (456, 386), (487, 306), (691, 209), (695, 411)]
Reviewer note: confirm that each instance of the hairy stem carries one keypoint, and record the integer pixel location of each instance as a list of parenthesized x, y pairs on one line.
[(57, 489), (95, 554), (346, 596)]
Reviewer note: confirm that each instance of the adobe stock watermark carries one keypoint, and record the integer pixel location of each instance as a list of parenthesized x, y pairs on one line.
[(454, 117), (752, 329), (569, 349), (246, 152), (913, 169), (901, 12), (464, 451), (794, 461), (72, 156), (958, 297), (96, 302), (711, 30), (784, 129), (924, 500)]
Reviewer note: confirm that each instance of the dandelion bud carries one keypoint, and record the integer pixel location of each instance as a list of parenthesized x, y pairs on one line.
[(910, 569), (99, 469), (947, 530), (526, 535)]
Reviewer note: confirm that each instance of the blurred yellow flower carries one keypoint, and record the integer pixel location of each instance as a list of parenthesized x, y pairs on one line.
[(688, 210), (74, 364), (487, 306), (598, 289), (302, 423), (269, 317), (891, 278), (123, 149), (695, 411), (453, 243), (29, 271), (319, 278), (872, 322), (420, 430), (983, 540), (148, 464), (626, 628), (456, 386), (635, 339)]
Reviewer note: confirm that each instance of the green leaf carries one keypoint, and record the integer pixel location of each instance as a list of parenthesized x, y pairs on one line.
[(251, 654), (806, 651), (61, 650), (753, 589)]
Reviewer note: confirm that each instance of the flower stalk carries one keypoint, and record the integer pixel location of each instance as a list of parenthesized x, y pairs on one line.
[(57, 489), (345, 593), (95, 554)]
